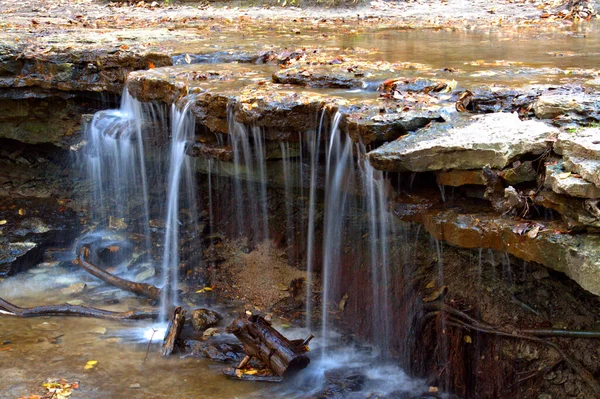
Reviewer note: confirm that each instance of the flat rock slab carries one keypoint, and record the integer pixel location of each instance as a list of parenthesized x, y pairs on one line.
[(466, 143), (581, 153)]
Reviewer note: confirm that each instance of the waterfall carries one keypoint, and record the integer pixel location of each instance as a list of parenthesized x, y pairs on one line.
[(180, 171), (250, 193), (115, 161), (115, 158), (375, 198), (339, 175)]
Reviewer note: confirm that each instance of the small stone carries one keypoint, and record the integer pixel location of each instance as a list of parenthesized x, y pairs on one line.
[(74, 289), (145, 273), (135, 386), (98, 330), (204, 318), (212, 331)]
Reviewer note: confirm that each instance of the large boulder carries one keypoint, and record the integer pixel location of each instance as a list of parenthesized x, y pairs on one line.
[(467, 143)]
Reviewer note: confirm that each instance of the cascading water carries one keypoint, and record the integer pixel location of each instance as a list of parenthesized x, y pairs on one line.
[(180, 171), (339, 175), (115, 159), (250, 193)]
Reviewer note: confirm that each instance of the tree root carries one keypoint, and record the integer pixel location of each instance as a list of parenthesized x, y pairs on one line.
[(456, 318), (142, 289), (74, 310)]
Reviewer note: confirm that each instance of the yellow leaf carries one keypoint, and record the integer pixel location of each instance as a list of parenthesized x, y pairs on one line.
[(430, 284), (207, 289), (3, 222), (250, 372), (285, 326), (468, 339), (22, 212), (564, 175), (90, 364)]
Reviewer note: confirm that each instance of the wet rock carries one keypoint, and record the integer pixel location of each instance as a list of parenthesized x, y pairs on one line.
[(577, 213), (369, 125), (578, 256), (204, 318), (581, 153), (562, 182), (578, 107), (457, 177), (218, 352), (219, 153), (520, 172), (470, 143)]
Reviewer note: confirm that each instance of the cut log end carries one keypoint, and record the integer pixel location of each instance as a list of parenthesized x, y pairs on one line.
[(264, 342)]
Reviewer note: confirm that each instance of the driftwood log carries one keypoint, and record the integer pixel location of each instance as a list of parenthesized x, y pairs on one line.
[(262, 341), (142, 289), (173, 331), (73, 310)]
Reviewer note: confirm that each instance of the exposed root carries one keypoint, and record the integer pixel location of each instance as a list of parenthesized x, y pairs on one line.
[(458, 319), (73, 310)]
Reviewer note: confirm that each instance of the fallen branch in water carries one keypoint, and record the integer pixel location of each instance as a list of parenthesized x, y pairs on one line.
[(141, 289), (73, 310)]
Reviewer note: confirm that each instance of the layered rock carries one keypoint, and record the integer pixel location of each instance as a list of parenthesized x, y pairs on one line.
[(472, 142)]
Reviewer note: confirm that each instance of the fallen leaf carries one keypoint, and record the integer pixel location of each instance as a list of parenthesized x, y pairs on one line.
[(563, 175), (90, 364), (468, 339), (22, 212)]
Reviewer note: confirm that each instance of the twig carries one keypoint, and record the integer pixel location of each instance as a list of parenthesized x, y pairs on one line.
[(149, 343)]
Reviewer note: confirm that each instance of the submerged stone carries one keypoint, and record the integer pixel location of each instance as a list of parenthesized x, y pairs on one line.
[(468, 143)]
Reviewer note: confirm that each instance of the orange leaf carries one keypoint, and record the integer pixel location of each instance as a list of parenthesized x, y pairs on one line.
[(151, 65), (114, 248)]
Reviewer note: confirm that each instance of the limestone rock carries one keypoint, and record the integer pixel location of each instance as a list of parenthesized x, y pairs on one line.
[(562, 182), (467, 143), (204, 318), (581, 153), (577, 107)]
